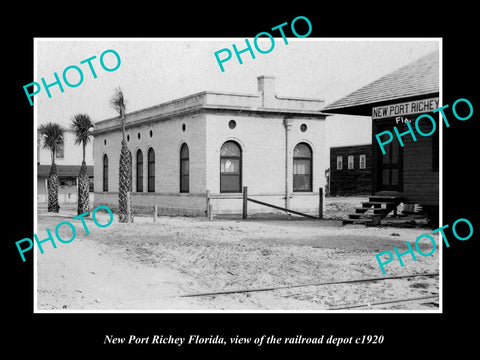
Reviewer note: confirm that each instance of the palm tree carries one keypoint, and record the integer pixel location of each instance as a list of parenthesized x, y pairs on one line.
[(82, 127), (52, 134), (118, 103)]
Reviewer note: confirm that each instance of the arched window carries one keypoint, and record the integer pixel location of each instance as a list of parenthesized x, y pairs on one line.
[(302, 168), (105, 172), (184, 169), (151, 170), (139, 171), (230, 167)]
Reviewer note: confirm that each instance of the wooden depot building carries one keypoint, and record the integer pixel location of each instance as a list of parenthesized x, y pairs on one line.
[(408, 174), (350, 170)]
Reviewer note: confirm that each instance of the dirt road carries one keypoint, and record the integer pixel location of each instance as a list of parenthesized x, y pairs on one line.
[(146, 265)]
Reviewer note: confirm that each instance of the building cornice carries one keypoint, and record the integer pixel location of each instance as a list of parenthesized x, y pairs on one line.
[(213, 109), (215, 102)]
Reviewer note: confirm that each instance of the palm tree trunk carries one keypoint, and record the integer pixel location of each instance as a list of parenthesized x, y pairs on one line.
[(83, 190), (125, 163), (52, 185), (83, 187), (124, 182)]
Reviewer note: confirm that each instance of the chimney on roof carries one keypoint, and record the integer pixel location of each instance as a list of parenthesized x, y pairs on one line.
[(266, 88)]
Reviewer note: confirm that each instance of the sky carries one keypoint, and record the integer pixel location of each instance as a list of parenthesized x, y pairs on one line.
[(153, 71)]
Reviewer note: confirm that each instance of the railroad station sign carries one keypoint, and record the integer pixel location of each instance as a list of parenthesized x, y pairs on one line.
[(406, 108)]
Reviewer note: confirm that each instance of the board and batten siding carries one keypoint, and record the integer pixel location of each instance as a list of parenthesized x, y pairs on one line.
[(354, 181), (420, 174)]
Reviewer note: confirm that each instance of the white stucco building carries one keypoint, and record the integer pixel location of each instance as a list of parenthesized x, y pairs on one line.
[(217, 142)]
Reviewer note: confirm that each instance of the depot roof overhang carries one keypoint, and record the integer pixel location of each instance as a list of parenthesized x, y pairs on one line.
[(365, 109), (417, 80)]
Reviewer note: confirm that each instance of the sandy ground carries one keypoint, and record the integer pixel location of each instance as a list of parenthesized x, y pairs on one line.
[(147, 266)]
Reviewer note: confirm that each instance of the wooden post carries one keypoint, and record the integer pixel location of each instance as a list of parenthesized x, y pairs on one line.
[(155, 212), (245, 201), (129, 215), (320, 203), (210, 212), (207, 203)]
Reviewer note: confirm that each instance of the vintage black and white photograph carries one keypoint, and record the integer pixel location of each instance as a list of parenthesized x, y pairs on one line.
[(225, 175)]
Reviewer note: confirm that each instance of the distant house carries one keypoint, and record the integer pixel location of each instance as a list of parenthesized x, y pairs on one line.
[(409, 174), (68, 161), (350, 170)]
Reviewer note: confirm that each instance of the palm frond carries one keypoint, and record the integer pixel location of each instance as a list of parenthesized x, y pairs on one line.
[(118, 102), (53, 135), (81, 125)]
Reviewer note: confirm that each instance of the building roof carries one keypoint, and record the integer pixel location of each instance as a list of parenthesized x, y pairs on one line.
[(419, 79), (63, 170), (265, 101)]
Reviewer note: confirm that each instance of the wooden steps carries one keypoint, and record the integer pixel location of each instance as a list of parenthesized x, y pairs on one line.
[(374, 210)]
